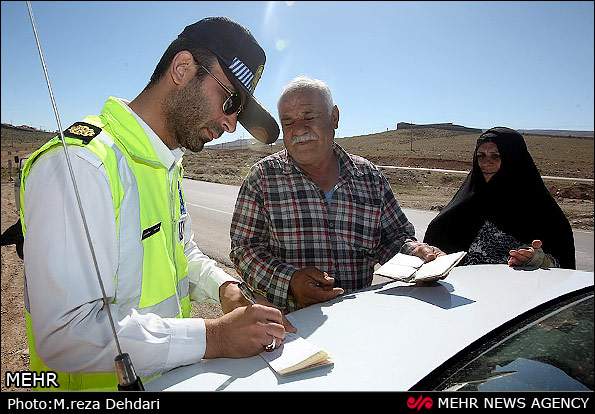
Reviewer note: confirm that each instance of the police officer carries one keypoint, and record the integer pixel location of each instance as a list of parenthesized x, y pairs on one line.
[(128, 165)]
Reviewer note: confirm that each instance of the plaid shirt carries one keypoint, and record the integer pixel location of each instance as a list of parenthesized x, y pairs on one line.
[(282, 222)]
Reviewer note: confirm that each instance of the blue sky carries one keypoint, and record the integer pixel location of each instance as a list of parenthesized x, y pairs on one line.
[(525, 65)]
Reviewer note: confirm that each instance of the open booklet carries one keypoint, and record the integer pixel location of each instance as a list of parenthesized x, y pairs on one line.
[(295, 355), (414, 269)]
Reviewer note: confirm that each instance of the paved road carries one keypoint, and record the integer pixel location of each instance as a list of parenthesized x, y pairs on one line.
[(545, 177), (211, 207)]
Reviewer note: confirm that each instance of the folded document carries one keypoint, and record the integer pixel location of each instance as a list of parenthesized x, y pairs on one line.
[(414, 269)]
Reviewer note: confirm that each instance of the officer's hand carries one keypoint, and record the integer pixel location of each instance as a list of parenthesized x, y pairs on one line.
[(244, 332), (231, 298)]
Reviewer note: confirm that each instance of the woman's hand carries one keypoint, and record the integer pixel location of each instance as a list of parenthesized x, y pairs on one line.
[(523, 256)]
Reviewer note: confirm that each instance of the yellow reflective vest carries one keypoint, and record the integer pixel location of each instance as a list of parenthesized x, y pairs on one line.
[(154, 278)]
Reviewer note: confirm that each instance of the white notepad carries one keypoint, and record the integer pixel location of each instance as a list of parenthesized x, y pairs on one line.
[(295, 355)]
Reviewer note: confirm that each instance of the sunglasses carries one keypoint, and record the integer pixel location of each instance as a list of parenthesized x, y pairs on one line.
[(233, 103)]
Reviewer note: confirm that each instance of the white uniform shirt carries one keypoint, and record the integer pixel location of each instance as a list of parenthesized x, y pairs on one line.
[(71, 328)]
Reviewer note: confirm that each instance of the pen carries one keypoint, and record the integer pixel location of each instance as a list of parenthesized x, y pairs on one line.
[(247, 293)]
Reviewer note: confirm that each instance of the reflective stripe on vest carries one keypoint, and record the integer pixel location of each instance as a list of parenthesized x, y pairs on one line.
[(152, 274)]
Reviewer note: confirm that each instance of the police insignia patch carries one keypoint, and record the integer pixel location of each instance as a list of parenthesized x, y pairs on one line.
[(83, 131)]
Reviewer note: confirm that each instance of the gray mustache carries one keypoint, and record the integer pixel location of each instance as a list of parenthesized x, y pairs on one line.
[(303, 138)]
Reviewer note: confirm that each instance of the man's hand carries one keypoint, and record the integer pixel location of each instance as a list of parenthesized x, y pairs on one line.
[(231, 298), (310, 285), (429, 253), (244, 332)]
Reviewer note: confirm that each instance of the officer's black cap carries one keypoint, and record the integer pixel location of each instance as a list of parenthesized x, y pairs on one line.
[(242, 60)]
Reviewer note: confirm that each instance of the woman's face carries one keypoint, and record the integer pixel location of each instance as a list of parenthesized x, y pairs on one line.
[(488, 159)]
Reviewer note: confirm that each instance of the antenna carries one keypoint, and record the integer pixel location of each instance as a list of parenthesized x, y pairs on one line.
[(127, 378)]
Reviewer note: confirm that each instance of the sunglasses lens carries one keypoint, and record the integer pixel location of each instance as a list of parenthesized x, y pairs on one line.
[(232, 104)]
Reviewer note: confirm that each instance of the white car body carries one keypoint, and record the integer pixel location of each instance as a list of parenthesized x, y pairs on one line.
[(390, 336)]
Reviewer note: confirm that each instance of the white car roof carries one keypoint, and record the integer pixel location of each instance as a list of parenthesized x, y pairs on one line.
[(390, 336)]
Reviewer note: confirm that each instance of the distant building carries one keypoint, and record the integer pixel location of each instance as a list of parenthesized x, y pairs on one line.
[(449, 126)]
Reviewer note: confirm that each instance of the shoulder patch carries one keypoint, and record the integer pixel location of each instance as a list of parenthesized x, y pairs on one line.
[(83, 131)]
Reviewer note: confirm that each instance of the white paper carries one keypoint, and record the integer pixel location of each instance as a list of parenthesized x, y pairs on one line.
[(293, 351), (412, 268), (439, 266)]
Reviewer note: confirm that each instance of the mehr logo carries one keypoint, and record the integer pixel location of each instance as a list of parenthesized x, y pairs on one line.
[(420, 403)]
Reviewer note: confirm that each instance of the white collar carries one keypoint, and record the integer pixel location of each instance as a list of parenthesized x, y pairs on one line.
[(168, 157)]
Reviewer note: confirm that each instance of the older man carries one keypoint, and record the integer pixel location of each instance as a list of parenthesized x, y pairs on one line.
[(311, 221)]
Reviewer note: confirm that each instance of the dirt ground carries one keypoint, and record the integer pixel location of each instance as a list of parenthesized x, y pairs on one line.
[(15, 355), (414, 189)]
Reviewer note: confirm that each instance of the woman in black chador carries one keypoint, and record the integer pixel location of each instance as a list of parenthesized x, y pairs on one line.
[(503, 212)]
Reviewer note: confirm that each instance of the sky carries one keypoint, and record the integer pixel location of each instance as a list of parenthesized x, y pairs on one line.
[(524, 65)]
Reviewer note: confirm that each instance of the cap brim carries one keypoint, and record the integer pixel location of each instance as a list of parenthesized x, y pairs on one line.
[(254, 117), (258, 121)]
